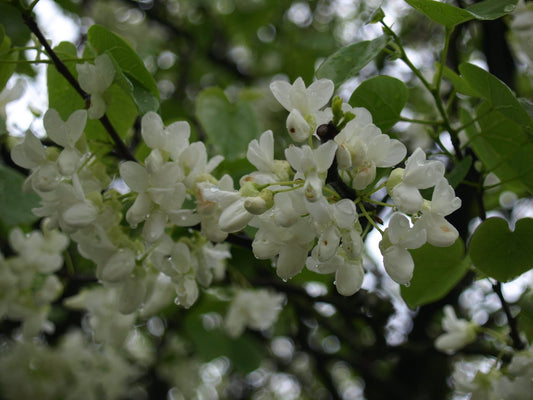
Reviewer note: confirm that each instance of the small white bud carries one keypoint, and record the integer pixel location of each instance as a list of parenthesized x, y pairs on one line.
[(298, 128), (119, 266)]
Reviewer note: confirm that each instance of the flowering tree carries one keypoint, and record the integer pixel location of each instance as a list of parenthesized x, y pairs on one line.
[(312, 231)]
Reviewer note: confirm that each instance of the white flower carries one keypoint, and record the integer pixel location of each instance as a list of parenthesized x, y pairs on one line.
[(261, 155), (172, 139), (458, 332), (291, 243), (298, 128), (302, 104), (7, 95), (443, 202), (419, 174), (362, 147), (43, 250), (312, 165), (399, 237), (256, 309), (160, 193), (95, 80), (29, 154), (297, 96)]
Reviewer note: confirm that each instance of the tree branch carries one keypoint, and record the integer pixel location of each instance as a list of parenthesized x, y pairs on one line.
[(518, 344), (120, 147)]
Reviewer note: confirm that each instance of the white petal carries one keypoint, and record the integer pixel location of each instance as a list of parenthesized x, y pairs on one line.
[(235, 217), (154, 226), (152, 130), (74, 126), (443, 201), (281, 91), (291, 260), (327, 245), (319, 93), (440, 232), (30, 153), (422, 173), (119, 266), (80, 214), (324, 155), (407, 198), (349, 278), (131, 296), (134, 175), (298, 128), (398, 264)]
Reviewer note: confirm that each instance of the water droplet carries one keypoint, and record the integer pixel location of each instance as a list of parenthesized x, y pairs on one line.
[(508, 8)]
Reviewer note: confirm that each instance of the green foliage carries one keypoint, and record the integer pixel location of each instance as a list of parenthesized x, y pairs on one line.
[(459, 171), (497, 94), (7, 58), (210, 342), (229, 126), (503, 146), (438, 270), (450, 16), (145, 91), (62, 97), (348, 61), (384, 97), (500, 253), (15, 204)]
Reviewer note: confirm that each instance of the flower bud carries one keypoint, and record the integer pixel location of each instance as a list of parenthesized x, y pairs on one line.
[(119, 266), (80, 214), (349, 277), (46, 178), (235, 217), (298, 128), (344, 158), (394, 179), (187, 292), (257, 205), (131, 296)]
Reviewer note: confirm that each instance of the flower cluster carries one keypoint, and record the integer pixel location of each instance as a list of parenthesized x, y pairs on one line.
[(28, 284), (312, 208), (300, 220)]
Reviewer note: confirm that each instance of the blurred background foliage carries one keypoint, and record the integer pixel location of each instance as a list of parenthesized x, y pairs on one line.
[(221, 55)]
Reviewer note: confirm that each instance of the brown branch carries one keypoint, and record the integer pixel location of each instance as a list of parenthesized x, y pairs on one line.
[(514, 333), (120, 147)]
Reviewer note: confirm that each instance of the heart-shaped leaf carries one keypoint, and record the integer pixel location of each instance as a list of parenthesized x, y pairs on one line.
[(384, 96), (437, 271), (229, 126), (500, 253)]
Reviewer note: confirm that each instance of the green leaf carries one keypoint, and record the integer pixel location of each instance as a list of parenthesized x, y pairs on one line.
[(6, 68), (229, 126), (502, 145), (459, 83), (102, 40), (450, 16), (384, 97), (15, 204), (437, 271), (245, 352), (459, 171), (348, 61), (442, 13), (62, 97), (492, 9), (500, 253), (497, 93)]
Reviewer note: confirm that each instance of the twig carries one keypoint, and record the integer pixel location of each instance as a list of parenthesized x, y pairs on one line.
[(518, 344), (120, 147)]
